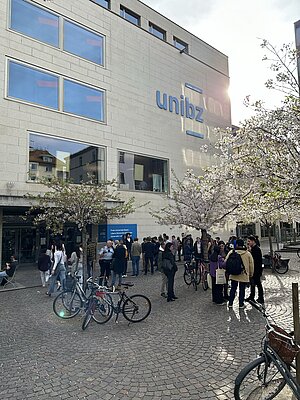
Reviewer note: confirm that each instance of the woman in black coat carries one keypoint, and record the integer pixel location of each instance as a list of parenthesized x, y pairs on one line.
[(169, 268), (118, 263)]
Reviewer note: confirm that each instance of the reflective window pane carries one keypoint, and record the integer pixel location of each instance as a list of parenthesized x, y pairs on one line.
[(103, 3), (83, 43), (138, 172), (31, 85), (130, 15), (83, 100), (156, 31), (34, 22), (67, 160), (179, 44)]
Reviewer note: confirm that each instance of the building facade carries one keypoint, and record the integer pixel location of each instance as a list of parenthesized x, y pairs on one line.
[(109, 88)]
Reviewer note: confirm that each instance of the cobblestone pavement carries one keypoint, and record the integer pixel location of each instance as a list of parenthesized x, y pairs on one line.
[(187, 349)]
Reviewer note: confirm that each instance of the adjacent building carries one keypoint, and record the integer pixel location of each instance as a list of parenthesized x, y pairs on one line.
[(111, 88)]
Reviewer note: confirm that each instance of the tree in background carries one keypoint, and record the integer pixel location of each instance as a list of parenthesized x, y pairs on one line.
[(85, 204)]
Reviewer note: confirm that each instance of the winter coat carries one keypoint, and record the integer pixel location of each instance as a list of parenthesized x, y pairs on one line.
[(257, 258), (248, 264), (119, 259)]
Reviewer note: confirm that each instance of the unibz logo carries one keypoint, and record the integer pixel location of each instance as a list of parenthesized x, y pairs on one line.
[(182, 105)]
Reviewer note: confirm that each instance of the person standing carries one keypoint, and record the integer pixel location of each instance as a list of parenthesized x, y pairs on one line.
[(136, 250), (256, 279), (118, 263), (58, 269), (242, 279), (216, 261), (106, 256), (149, 248), (169, 267), (44, 265), (197, 251)]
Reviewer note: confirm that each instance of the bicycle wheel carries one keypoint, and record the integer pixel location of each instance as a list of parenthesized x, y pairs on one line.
[(258, 380), (281, 267), (204, 280), (198, 276), (194, 281), (89, 313), (67, 304), (136, 308), (104, 310), (187, 278)]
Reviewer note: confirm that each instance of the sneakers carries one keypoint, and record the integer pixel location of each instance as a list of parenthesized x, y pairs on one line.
[(249, 299), (124, 276), (230, 306), (222, 304), (243, 306)]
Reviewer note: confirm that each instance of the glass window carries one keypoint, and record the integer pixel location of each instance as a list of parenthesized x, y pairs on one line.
[(138, 172), (66, 160), (34, 21), (31, 85), (83, 43), (130, 16), (83, 100), (103, 3), (179, 44), (156, 31)]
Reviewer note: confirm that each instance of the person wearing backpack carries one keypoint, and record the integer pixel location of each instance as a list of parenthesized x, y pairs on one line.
[(240, 265)]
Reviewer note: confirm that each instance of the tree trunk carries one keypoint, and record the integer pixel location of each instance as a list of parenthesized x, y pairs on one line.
[(84, 255), (205, 244), (270, 239)]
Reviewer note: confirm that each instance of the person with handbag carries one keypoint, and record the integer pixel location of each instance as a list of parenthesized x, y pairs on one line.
[(58, 269), (170, 268), (216, 267)]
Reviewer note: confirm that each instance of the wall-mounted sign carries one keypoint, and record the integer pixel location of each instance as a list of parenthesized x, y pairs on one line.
[(115, 231), (182, 106)]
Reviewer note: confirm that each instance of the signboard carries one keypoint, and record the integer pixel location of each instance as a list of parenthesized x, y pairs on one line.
[(115, 231)]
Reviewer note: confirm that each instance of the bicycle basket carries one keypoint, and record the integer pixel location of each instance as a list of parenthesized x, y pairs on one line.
[(284, 346), (70, 282)]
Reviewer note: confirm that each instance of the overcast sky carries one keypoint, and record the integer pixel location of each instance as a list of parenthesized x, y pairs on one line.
[(234, 27)]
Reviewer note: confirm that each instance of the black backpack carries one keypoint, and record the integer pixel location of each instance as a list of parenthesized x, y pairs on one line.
[(234, 264)]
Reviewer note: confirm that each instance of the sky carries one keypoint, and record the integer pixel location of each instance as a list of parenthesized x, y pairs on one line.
[(235, 28)]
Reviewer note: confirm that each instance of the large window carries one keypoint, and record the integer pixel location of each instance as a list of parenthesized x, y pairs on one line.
[(180, 45), (67, 160), (103, 3), (32, 85), (156, 31), (130, 16), (40, 24), (34, 21), (42, 88), (83, 100), (83, 43), (138, 172)]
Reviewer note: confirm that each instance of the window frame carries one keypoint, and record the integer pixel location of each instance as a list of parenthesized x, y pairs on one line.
[(98, 4), (167, 185), (101, 149), (60, 89), (124, 10), (185, 46), (158, 29)]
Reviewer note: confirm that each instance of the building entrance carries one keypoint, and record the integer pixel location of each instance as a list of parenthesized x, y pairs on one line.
[(20, 242)]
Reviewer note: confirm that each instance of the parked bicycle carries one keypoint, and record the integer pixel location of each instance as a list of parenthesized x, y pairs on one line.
[(191, 275), (276, 263), (266, 376), (134, 308), (71, 301)]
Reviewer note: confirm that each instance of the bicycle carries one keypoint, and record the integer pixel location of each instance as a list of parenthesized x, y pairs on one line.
[(134, 308), (191, 275), (265, 377), (96, 302), (276, 263), (71, 301), (203, 274)]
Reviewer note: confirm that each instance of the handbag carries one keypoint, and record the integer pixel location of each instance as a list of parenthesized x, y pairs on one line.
[(220, 276), (209, 281)]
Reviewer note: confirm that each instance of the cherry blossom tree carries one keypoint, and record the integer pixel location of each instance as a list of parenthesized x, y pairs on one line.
[(84, 204)]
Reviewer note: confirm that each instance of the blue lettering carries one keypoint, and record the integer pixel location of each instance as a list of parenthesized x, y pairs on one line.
[(189, 109), (163, 105), (199, 115), (173, 100)]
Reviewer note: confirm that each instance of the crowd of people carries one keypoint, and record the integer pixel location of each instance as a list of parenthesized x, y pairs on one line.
[(161, 254)]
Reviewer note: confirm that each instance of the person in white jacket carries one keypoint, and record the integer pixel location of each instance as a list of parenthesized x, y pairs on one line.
[(58, 269)]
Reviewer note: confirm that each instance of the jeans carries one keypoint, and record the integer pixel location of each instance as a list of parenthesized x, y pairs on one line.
[(242, 288), (171, 276), (135, 265), (164, 283), (113, 280), (104, 271), (256, 282), (44, 277), (147, 259), (3, 274), (62, 276)]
